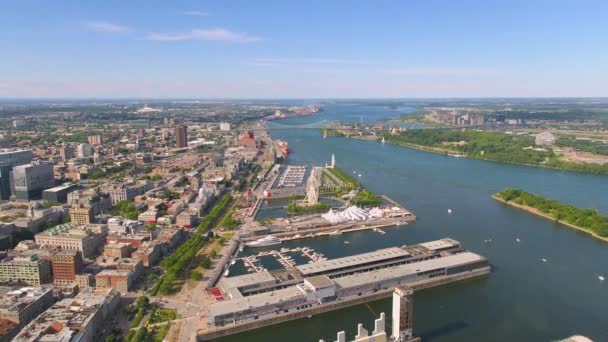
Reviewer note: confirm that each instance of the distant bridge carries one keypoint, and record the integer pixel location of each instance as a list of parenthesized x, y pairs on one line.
[(272, 125), (314, 125)]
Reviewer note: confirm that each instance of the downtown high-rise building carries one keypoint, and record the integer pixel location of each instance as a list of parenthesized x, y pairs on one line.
[(10, 158), (28, 181), (181, 136)]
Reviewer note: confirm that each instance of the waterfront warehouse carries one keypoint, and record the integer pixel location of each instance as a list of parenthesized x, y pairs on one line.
[(344, 279)]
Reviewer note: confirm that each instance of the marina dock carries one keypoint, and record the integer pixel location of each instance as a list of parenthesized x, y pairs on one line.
[(266, 298), (252, 262)]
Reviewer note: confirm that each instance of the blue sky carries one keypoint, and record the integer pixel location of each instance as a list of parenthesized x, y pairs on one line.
[(299, 49)]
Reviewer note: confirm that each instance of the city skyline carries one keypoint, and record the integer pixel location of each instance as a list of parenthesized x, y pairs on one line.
[(188, 49)]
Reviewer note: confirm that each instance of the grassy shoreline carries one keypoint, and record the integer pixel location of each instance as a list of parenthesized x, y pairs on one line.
[(537, 212), (448, 152)]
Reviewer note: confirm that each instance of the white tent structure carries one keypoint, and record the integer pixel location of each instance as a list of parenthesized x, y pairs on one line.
[(353, 213)]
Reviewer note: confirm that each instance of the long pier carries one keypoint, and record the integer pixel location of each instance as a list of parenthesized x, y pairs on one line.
[(206, 335), (256, 207), (338, 229)]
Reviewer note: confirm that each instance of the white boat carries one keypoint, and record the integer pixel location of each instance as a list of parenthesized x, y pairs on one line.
[(265, 241), (346, 242), (601, 278), (359, 175), (226, 273), (383, 140), (449, 211), (233, 262), (518, 240), (544, 260)]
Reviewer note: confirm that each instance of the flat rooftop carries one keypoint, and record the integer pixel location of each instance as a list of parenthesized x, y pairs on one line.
[(319, 282), (407, 269), (255, 301), (354, 260), (439, 244), (248, 280), (111, 272), (16, 298), (60, 187)]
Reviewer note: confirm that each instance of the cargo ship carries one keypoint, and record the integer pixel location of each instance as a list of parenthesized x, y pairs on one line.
[(283, 147)]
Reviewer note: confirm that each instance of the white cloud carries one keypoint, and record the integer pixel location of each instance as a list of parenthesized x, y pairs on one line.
[(104, 26), (441, 71), (196, 13), (215, 34), (305, 60)]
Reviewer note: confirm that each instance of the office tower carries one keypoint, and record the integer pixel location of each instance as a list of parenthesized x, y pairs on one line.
[(83, 151), (97, 158), (81, 214), (66, 264), (218, 155), (13, 157), (66, 152), (28, 181), (181, 136), (5, 182)]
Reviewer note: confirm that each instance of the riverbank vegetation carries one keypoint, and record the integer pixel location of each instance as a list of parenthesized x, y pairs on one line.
[(366, 198), (348, 180), (493, 146), (585, 219), (590, 146), (331, 132)]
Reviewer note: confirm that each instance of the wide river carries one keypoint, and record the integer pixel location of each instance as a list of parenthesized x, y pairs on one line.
[(523, 299)]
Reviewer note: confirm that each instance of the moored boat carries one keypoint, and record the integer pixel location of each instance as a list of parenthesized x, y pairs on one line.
[(265, 241)]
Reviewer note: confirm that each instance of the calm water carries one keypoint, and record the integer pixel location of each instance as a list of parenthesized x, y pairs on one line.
[(524, 299)]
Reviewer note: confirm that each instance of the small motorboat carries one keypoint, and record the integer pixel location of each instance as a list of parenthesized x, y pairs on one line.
[(544, 260), (346, 242), (449, 211), (601, 278), (518, 240)]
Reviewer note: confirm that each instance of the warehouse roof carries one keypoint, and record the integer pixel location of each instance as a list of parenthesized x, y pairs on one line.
[(440, 244), (333, 264), (254, 301), (248, 279), (407, 269)]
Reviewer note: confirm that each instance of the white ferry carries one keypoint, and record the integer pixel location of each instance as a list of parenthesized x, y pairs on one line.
[(265, 241)]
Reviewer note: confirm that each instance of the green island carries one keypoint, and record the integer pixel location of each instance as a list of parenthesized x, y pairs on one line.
[(489, 145), (586, 220)]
